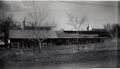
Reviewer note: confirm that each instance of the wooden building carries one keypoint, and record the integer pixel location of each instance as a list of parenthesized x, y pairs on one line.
[(28, 38)]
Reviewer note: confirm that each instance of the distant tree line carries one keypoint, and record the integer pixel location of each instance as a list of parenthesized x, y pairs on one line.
[(6, 18), (113, 30), (6, 21)]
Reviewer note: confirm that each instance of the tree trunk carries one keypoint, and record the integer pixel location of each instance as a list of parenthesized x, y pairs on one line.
[(40, 46), (77, 44), (77, 40)]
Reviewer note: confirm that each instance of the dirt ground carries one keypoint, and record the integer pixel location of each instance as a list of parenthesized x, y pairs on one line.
[(60, 57)]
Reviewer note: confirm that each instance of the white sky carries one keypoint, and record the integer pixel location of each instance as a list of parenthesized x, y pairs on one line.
[(99, 12)]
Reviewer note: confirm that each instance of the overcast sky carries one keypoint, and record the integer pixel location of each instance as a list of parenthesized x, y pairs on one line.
[(98, 12)]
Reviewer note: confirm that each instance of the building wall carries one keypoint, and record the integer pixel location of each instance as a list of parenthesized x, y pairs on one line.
[(22, 43)]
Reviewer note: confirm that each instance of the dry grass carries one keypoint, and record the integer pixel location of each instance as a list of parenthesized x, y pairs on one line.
[(98, 52)]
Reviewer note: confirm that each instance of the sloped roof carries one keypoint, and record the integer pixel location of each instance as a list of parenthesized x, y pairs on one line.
[(99, 32), (31, 34), (39, 28), (68, 35)]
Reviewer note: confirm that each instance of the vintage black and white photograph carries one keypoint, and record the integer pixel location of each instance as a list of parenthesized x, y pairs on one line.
[(58, 34)]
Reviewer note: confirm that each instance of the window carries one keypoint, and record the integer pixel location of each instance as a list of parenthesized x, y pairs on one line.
[(15, 44)]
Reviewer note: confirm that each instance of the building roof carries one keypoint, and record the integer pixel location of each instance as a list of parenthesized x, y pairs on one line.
[(74, 35), (37, 27), (95, 29), (100, 33), (32, 34)]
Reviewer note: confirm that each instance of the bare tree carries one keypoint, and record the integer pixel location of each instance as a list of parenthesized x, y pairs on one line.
[(112, 29), (76, 22), (6, 21), (39, 17), (109, 28)]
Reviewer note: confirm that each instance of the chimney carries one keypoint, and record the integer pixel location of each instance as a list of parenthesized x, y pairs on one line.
[(88, 27), (24, 22)]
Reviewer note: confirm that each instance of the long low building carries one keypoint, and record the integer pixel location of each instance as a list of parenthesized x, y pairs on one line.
[(29, 38)]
